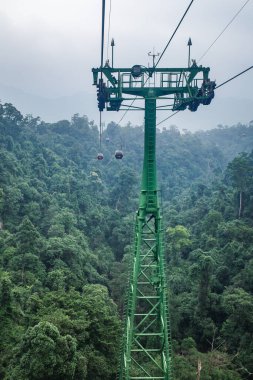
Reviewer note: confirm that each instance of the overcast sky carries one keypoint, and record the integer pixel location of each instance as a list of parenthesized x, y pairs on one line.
[(48, 47)]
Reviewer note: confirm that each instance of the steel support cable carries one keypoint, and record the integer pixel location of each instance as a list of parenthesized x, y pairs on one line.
[(235, 76), (162, 53), (102, 34), (130, 105), (185, 13), (109, 28), (220, 85), (100, 130), (124, 114), (167, 118), (216, 39), (102, 62)]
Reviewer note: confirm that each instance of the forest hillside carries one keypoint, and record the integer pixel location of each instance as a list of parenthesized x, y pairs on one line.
[(66, 231)]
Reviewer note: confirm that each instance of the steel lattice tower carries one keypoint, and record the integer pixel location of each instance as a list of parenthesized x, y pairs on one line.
[(146, 352), (146, 346)]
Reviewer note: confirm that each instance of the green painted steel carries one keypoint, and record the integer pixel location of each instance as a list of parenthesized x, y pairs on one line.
[(146, 346), (146, 351), (182, 87)]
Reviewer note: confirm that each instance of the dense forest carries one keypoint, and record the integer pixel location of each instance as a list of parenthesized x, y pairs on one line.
[(66, 230)]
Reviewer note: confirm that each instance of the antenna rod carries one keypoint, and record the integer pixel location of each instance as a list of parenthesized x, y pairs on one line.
[(189, 52), (153, 56), (112, 45)]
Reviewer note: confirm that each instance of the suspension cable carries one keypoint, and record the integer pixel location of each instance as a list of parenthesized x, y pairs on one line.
[(102, 62), (222, 84), (207, 50), (126, 111), (109, 28), (162, 53), (124, 114), (102, 35), (100, 131), (167, 118), (235, 76), (216, 39), (189, 6)]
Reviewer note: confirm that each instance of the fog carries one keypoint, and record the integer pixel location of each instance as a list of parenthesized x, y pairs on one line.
[(49, 47)]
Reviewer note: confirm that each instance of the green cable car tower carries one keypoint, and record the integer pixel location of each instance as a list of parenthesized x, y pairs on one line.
[(146, 346)]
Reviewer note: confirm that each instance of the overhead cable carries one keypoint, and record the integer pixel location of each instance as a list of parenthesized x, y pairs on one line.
[(189, 6), (102, 63), (185, 13), (216, 39), (109, 28), (222, 84), (235, 76), (126, 111), (102, 34), (167, 118), (100, 130)]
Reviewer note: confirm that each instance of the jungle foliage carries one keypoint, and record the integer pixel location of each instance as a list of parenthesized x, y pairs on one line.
[(66, 230)]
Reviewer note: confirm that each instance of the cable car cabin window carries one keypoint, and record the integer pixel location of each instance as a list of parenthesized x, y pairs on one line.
[(118, 154)]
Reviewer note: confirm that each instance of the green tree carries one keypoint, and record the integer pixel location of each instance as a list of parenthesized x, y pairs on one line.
[(240, 170), (27, 237), (5, 291), (179, 241), (44, 354), (237, 329), (202, 270)]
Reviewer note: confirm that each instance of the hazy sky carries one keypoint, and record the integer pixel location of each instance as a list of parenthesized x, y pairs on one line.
[(48, 47)]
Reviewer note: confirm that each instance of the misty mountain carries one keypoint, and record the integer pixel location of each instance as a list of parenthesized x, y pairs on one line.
[(49, 109), (225, 111)]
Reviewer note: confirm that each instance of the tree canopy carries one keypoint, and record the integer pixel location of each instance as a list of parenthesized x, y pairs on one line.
[(66, 235)]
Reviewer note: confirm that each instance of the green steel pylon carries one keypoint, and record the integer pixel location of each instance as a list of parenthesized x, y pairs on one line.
[(146, 346), (146, 351)]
